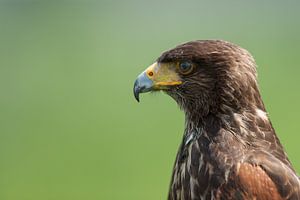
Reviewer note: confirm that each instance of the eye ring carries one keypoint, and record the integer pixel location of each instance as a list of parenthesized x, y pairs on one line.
[(185, 67)]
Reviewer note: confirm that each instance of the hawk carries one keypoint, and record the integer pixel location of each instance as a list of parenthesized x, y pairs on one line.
[(229, 148)]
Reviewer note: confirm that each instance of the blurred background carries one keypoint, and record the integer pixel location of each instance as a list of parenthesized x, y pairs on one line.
[(69, 125)]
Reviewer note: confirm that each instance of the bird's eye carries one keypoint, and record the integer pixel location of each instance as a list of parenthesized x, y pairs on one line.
[(185, 67)]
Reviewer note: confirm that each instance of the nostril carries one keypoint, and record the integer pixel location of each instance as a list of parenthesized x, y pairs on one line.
[(150, 73)]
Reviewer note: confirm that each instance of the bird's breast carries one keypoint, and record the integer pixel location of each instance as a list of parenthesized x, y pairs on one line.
[(191, 173), (200, 169)]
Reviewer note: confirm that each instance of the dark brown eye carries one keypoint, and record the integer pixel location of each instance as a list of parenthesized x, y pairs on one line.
[(185, 67)]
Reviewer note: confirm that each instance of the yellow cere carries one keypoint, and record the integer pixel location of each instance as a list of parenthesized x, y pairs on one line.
[(163, 74)]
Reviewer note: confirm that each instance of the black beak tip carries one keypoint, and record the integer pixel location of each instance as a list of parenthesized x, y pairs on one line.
[(136, 91), (137, 96)]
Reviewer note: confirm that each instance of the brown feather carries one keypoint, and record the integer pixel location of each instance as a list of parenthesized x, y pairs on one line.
[(256, 183), (229, 149)]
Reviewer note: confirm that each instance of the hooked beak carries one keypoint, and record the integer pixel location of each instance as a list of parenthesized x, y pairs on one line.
[(142, 84), (159, 76)]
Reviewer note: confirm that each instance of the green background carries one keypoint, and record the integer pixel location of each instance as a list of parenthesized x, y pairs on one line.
[(69, 125)]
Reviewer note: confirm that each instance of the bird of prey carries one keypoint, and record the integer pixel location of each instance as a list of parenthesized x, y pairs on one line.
[(229, 148)]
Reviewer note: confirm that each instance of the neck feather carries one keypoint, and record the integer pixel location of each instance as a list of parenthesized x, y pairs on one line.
[(245, 123)]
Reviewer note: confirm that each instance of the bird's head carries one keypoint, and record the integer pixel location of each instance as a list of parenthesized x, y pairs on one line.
[(210, 76)]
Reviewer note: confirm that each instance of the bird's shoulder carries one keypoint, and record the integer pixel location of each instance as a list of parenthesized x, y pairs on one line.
[(249, 173), (261, 176)]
